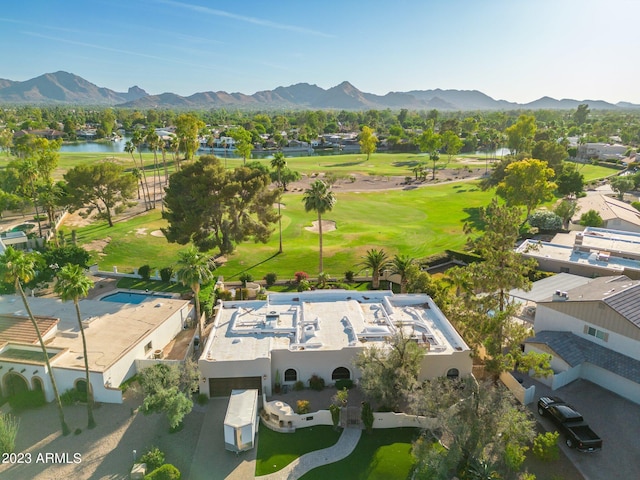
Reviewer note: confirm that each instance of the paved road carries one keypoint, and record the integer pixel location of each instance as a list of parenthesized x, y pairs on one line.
[(615, 419)]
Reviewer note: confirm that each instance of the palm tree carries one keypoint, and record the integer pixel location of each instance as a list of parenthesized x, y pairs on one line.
[(130, 147), (72, 285), (278, 162), (193, 269), (152, 139), (319, 198), (377, 261), (17, 267), (28, 170), (399, 266)]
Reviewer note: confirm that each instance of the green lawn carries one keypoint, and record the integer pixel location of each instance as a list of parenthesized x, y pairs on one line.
[(415, 222), (277, 450), (383, 454)]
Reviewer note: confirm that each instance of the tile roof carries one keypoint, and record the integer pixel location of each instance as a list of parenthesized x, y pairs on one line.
[(14, 328), (627, 304), (576, 350)]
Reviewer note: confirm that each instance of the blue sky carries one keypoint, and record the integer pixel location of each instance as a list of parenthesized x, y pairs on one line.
[(517, 50)]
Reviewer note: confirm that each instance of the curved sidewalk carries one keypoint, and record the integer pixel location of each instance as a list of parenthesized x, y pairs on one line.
[(345, 445)]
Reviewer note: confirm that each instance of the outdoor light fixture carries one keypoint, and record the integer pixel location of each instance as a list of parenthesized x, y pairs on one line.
[(23, 370), (35, 371)]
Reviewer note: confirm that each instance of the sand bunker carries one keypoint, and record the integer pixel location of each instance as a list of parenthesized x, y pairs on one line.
[(327, 226), (157, 233)]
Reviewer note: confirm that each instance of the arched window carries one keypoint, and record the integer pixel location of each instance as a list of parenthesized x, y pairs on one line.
[(81, 388), (15, 384), (290, 375), (37, 384), (453, 373), (341, 373)]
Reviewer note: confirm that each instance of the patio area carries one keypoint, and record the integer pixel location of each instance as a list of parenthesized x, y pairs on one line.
[(318, 400)]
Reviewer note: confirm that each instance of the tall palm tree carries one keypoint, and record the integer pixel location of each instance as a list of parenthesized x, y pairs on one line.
[(377, 261), (193, 269), (152, 140), (17, 267), (72, 285), (399, 266), (28, 170), (319, 198), (278, 162), (130, 147)]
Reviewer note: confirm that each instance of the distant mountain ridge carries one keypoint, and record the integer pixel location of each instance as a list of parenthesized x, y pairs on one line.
[(63, 88)]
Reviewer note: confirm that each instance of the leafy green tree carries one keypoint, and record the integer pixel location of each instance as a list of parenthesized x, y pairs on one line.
[(483, 430), (9, 201), (216, 208), (451, 143), (194, 269), (621, 185), (520, 135), (551, 152), (566, 209), (581, 114), (72, 285), (187, 128), (545, 220), (285, 177), (527, 182), (367, 141), (389, 374), (377, 260), (591, 219), (102, 186), (167, 388), (278, 162), (243, 143), (320, 199), (400, 266), (431, 142), (6, 140), (570, 181), (17, 267)]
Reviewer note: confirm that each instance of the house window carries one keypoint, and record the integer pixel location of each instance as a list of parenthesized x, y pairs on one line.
[(594, 332), (564, 269), (341, 373), (453, 373), (290, 375), (148, 347)]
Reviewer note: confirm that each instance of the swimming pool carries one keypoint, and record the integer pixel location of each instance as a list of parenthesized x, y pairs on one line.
[(135, 298)]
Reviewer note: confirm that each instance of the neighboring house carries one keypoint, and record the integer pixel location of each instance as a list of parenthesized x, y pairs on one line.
[(117, 335), (601, 151), (17, 240), (296, 335), (593, 332), (616, 214), (48, 133), (590, 253)]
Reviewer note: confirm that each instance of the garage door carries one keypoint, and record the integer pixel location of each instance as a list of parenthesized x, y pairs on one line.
[(221, 387)]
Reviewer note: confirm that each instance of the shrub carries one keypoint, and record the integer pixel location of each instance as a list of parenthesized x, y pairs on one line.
[(202, 399), (303, 406), (245, 278), (25, 400), (591, 219), (335, 414), (367, 416), (8, 432), (165, 472), (145, 272), (300, 276), (349, 275), (636, 205), (207, 298), (545, 446), (223, 294), (344, 383), (242, 294), (72, 396), (304, 285), (77, 431), (545, 220), (316, 382), (270, 278), (299, 385), (166, 273), (154, 458)]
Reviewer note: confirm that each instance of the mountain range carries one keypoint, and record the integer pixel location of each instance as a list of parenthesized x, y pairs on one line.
[(63, 88)]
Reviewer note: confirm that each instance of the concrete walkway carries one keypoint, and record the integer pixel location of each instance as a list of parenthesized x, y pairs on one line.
[(301, 465)]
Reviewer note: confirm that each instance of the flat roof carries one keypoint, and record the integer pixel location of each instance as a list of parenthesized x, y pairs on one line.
[(111, 329), (242, 407), (326, 320), (545, 288)]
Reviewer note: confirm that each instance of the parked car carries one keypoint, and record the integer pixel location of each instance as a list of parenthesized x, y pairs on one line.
[(576, 432)]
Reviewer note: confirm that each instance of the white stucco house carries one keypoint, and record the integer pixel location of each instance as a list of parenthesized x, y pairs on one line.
[(593, 332), (297, 335), (616, 214), (117, 335)]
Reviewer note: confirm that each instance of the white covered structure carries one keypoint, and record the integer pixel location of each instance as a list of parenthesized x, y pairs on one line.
[(297, 335), (241, 420)]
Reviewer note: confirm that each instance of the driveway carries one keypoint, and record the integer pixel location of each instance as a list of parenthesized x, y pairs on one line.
[(615, 419), (210, 459)]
